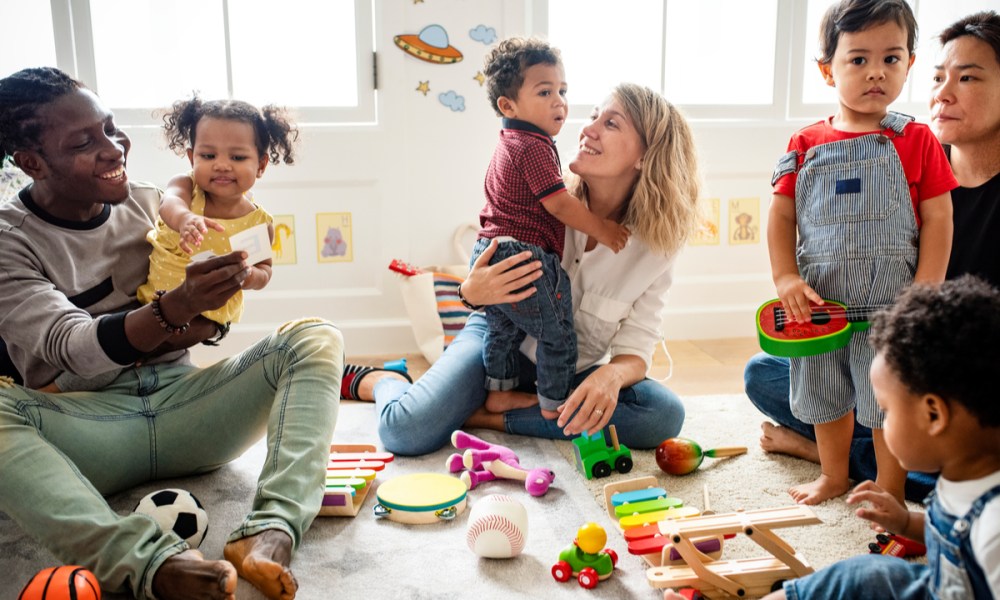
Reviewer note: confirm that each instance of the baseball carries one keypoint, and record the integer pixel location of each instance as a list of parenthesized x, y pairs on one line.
[(498, 527)]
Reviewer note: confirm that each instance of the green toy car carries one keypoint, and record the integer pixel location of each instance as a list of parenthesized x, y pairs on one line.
[(585, 559)]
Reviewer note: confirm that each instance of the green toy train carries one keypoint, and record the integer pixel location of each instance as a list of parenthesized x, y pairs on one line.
[(595, 458)]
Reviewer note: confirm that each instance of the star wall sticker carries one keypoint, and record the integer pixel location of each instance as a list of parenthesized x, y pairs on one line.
[(480, 77), (424, 87)]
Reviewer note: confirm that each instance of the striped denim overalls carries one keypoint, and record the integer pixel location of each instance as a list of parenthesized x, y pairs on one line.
[(857, 244)]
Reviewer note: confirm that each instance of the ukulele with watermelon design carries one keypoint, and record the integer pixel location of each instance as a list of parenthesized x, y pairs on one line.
[(830, 327)]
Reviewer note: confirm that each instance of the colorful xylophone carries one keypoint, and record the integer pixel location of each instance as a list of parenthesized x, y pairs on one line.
[(638, 506), (349, 476)]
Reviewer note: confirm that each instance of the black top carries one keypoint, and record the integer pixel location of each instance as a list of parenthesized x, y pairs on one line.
[(975, 248)]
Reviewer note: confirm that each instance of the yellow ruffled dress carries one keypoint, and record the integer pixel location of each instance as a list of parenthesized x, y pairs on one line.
[(167, 261)]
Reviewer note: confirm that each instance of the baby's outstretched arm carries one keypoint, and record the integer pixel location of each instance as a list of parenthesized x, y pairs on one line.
[(885, 512), (175, 210)]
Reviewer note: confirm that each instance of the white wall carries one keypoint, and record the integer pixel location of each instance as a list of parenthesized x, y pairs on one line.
[(410, 180)]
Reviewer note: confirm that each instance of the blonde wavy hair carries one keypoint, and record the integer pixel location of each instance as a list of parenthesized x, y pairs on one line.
[(663, 210)]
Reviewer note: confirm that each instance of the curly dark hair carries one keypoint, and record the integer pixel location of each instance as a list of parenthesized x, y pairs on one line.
[(851, 16), (21, 95), (984, 26), (274, 132), (945, 340), (506, 63)]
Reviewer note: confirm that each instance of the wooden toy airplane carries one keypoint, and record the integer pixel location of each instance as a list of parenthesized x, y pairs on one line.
[(349, 477)]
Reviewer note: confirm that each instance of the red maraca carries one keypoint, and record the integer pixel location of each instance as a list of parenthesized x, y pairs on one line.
[(680, 456)]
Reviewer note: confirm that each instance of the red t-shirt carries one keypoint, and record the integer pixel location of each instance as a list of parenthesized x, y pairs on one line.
[(924, 162), (524, 172)]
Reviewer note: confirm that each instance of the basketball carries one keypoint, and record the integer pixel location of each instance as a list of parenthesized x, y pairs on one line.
[(62, 583)]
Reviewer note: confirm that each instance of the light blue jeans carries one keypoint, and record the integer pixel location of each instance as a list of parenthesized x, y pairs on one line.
[(419, 418), (60, 452)]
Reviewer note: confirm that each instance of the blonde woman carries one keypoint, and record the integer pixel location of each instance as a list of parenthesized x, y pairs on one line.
[(636, 165)]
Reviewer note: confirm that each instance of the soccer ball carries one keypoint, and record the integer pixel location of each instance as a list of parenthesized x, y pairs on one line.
[(178, 511)]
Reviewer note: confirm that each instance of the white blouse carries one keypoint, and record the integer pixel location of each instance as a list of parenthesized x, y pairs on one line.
[(618, 299)]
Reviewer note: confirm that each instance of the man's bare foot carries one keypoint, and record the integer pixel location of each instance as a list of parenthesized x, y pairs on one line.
[(501, 402), (823, 488), (263, 560), (782, 440), (188, 576)]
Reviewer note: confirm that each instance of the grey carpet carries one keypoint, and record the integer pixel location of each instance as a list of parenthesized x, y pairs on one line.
[(374, 558)]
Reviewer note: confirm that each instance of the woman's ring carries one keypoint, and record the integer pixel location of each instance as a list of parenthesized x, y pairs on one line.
[(598, 411)]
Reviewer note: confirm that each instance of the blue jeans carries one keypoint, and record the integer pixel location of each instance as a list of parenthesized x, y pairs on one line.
[(547, 316), (419, 418), (767, 383), (865, 576), (60, 452)]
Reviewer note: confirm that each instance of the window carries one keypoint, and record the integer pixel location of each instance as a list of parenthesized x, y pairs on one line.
[(932, 17), (685, 49), (723, 59), (141, 54)]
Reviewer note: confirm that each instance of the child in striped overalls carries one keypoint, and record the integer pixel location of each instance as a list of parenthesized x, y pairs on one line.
[(861, 208)]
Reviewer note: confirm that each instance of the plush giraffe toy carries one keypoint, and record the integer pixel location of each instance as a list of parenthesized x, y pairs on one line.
[(483, 461)]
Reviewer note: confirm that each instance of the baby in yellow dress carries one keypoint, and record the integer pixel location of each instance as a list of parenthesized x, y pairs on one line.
[(229, 144)]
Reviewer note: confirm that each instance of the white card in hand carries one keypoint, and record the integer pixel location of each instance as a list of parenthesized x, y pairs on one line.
[(254, 241)]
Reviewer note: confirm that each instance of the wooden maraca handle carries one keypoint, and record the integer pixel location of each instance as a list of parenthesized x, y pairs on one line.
[(726, 451)]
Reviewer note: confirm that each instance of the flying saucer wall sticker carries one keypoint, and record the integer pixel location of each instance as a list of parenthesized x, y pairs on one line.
[(431, 44)]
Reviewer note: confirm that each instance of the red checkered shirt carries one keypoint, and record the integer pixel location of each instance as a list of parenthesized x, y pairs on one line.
[(524, 171)]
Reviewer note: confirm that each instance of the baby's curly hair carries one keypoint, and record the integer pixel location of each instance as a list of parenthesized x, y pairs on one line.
[(274, 132), (506, 63), (943, 340)]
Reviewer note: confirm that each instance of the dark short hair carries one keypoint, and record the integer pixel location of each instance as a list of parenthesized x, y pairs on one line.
[(506, 63), (983, 25), (943, 340), (850, 16), (21, 96), (274, 132)]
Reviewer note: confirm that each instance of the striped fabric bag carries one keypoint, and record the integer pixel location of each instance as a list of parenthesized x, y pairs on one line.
[(430, 296)]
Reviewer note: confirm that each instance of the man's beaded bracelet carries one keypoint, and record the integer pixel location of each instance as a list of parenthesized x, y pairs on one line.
[(465, 302), (158, 313)]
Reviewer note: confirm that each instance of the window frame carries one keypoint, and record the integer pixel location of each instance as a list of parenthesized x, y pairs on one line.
[(792, 51), (74, 46)]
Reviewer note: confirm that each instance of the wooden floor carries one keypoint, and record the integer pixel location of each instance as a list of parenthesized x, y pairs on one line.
[(701, 367)]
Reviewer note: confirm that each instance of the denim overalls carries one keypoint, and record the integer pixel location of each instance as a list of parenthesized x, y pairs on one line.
[(857, 244), (954, 572)]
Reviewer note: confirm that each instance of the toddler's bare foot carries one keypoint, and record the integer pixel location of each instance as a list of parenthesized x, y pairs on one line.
[(501, 402), (188, 576), (823, 488), (263, 560), (782, 440)]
